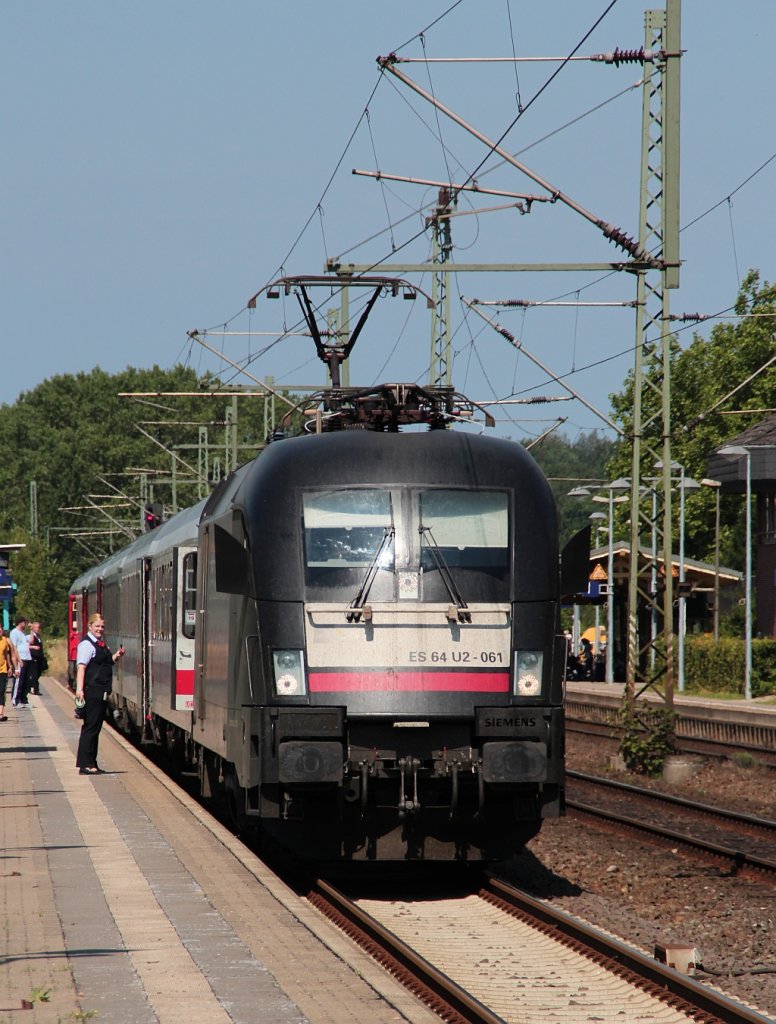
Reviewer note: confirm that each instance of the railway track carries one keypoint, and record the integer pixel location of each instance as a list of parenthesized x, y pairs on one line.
[(745, 844), (478, 975), (684, 745), (496, 955), (708, 748), (699, 730), (500, 956)]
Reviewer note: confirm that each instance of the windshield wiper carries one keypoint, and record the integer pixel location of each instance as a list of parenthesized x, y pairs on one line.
[(462, 609), (354, 609)]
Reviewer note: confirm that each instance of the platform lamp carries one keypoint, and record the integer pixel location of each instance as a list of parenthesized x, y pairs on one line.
[(717, 485), (739, 451), (595, 518), (686, 483), (620, 484), (576, 492)]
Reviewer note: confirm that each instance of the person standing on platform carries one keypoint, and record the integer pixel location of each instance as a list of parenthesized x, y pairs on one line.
[(7, 669), (586, 658), (94, 681), (21, 645), (37, 665)]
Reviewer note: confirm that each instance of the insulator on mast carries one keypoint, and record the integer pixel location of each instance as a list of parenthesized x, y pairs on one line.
[(684, 318), (618, 56), (630, 245)]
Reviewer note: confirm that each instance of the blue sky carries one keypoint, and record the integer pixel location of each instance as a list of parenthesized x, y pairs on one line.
[(161, 160)]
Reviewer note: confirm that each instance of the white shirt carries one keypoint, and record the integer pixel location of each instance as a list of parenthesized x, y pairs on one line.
[(86, 651)]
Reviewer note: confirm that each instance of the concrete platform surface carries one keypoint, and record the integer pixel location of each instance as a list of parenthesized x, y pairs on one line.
[(124, 902)]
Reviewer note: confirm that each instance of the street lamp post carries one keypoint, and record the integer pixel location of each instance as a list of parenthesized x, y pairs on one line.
[(621, 484), (739, 450), (685, 484), (596, 518), (717, 485)]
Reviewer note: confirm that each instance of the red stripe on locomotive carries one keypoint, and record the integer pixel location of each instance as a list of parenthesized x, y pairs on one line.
[(389, 680)]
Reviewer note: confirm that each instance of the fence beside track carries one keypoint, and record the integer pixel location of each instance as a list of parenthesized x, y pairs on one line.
[(746, 724)]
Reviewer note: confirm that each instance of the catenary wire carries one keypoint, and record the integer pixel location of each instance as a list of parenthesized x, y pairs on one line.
[(541, 89), (497, 164), (431, 24), (572, 291), (536, 95)]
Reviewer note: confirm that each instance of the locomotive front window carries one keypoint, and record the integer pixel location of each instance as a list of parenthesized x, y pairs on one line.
[(469, 528), (465, 534), (346, 530)]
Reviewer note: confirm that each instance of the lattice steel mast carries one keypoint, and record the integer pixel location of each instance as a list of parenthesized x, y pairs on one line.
[(650, 659)]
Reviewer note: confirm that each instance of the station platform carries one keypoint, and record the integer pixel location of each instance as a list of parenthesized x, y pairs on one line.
[(751, 723), (123, 901), (765, 706)]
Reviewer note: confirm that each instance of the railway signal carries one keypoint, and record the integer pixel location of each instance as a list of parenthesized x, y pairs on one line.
[(153, 515)]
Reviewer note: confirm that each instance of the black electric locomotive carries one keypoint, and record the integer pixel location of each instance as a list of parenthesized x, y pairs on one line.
[(355, 639)]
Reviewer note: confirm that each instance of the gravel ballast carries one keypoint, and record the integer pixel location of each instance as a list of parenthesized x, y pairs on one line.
[(651, 896)]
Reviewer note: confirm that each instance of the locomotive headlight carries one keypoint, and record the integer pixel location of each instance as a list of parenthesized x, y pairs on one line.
[(528, 673), (289, 674)]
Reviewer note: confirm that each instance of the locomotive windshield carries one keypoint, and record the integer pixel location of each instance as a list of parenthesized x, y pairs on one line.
[(470, 528), (346, 528), (406, 533)]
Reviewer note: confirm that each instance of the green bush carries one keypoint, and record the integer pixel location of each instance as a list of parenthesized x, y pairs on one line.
[(648, 735), (718, 666)]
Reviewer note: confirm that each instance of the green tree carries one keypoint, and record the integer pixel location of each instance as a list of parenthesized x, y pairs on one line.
[(41, 582), (70, 435), (702, 374), (569, 464)]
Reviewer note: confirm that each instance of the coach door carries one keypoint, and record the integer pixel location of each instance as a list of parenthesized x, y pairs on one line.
[(184, 627), (131, 633), (147, 643)]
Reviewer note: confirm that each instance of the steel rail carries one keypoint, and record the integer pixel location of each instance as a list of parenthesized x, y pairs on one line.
[(718, 748), (661, 981), (748, 820), (435, 989), (741, 861)]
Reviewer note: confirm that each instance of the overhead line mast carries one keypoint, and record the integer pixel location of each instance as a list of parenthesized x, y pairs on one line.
[(441, 264), (609, 231), (655, 260), (650, 661)]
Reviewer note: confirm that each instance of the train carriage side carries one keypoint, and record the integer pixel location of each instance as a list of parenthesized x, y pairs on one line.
[(85, 598), (145, 592), (380, 658), (77, 616), (168, 598)]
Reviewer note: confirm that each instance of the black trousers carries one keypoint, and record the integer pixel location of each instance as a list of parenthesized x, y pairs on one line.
[(93, 717), (33, 676)]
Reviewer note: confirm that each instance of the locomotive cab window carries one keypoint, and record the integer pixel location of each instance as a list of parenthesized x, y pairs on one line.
[(346, 534), (468, 533)]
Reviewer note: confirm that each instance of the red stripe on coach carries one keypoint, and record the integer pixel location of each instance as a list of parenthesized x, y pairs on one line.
[(363, 682), (184, 682)]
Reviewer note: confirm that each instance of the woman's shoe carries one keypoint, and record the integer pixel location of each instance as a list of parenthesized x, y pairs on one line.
[(89, 771)]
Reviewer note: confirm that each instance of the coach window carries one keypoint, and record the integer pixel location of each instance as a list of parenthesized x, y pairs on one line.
[(189, 602)]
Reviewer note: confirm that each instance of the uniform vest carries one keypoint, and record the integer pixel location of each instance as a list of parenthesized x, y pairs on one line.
[(99, 672)]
